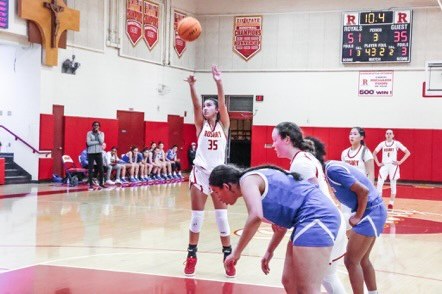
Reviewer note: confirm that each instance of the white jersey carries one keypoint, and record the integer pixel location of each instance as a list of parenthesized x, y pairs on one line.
[(211, 150), (354, 157), (308, 166), (389, 150)]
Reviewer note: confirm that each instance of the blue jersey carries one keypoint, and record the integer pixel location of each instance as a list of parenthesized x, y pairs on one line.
[(287, 202), (342, 176)]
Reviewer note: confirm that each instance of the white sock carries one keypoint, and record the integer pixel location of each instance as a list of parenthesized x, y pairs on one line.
[(391, 202), (373, 292)]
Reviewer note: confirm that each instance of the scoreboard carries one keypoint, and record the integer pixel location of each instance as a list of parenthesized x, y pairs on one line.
[(376, 36)]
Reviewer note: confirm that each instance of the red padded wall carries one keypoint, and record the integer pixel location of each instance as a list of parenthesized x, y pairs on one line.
[(47, 122), (155, 132), (423, 164), (45, 169), (436, 170), (76, 128)]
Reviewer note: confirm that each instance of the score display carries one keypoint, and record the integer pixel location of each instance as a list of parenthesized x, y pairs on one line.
[(376, 36)]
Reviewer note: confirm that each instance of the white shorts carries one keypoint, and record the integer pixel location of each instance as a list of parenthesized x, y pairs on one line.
[(390, 170), (340, 246), (199, 178)]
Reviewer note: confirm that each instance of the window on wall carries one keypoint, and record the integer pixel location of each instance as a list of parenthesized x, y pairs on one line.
[(240, 130)]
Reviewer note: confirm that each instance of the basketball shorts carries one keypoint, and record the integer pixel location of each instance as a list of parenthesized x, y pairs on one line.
[(199, 178), (373, 221), (390, 170), (320, 232)]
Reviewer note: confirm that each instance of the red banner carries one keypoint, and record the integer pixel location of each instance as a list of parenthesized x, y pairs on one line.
[(179, 44), (134, 20), (247, 37), (151, 23)]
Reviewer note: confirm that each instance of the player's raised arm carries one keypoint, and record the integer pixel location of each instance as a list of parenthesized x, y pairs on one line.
[(224, 114), (197, 108)]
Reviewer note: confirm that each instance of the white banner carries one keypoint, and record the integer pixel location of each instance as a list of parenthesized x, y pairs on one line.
[(375, 83)]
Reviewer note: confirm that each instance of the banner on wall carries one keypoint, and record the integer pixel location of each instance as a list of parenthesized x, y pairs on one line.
[(134, 20), (150, 23), (247, 38), (179, 44), (375, 83), (4, 20)]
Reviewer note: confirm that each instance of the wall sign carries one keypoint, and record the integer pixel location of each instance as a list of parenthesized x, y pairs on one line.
[(375, 83)]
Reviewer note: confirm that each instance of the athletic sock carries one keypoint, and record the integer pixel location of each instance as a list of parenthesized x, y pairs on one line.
[(191, 251), (227, 250)]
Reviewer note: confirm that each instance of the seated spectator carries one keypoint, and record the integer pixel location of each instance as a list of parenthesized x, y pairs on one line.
[(147, 159), (172, 157), (131, 158), (112, 161), (83, 159), (159, 164), (167, 164), (191, 153)]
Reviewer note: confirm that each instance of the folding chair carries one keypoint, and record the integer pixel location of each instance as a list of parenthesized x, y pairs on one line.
[(73, 173)]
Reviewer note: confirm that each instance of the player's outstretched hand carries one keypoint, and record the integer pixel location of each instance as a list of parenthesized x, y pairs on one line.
[(216, 73), (191, 80)]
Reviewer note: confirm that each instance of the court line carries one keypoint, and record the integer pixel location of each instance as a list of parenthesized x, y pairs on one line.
[(173, 250)]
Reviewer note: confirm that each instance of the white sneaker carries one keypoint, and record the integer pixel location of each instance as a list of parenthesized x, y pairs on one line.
[(109, 182), (118, 182)]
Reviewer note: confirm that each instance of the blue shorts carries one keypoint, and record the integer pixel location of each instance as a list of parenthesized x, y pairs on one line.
[(372, 222), (319, 232)]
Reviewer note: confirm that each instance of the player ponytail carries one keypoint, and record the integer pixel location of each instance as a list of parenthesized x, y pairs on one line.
[(230, 174), (318, 148)]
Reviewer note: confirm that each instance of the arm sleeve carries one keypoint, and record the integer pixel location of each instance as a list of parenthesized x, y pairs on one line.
[(341, 175)]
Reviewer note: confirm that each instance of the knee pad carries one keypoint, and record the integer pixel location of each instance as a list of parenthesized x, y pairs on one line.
[(222, 222), (393, 187), (196, 221)]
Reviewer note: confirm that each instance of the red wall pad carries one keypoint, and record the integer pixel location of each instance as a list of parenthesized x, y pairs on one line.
[(45, 169), (47, 122), (155, 132), (2, 171)]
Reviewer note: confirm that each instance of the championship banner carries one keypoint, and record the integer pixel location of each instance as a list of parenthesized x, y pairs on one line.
[(247, 37), (134, 20), (179, 44), (150, 23), (3, 14)]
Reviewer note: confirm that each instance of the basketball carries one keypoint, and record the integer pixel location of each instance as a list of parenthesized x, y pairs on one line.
[(189, 29)]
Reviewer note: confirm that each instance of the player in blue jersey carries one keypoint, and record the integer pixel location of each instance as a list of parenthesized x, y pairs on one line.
[(284, 200), (353, 189)]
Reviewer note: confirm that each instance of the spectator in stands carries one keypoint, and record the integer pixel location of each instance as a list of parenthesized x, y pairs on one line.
[(167, 164), (94, 142), (191, 154), (161, 166), (82, 158), (147, 159), (112, 162), (130, 158), (172, 157)]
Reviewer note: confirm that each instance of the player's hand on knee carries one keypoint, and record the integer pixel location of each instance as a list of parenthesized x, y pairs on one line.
[(265, 262)]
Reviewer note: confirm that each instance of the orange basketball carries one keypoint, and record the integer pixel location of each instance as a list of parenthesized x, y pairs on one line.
[(189, 29)]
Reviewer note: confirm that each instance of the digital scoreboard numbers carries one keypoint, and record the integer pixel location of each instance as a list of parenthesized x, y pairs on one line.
[(376, 36)]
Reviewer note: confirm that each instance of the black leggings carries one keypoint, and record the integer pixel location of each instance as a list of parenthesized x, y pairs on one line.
[(98, 158), (176, 166)]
